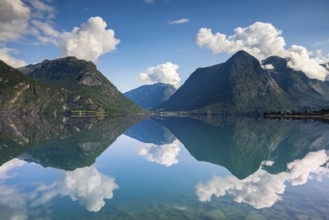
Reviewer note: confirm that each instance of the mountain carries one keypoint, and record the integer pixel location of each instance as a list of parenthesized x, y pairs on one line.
[(89, 88), (241, 85), (20, 93), (150, 96)]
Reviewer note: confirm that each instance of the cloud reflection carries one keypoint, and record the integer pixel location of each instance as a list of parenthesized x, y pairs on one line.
[(162, 154), (86, 185), (7, 167), (11, 201), (89, 187), (262, 189)]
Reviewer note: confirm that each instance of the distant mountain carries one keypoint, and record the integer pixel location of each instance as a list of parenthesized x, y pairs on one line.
[(20, 93), (150, 96), (241, 85), (90, 89)]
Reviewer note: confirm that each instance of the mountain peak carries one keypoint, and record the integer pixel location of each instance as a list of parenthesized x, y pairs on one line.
[(241, 85), (89, 87), (241, 54), (243, 58)]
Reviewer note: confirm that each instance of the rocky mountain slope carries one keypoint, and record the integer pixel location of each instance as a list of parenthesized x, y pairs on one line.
[(242, 85), (89, 88), (22, 94)]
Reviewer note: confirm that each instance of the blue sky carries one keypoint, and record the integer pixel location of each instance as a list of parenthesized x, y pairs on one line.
[(151, 42)]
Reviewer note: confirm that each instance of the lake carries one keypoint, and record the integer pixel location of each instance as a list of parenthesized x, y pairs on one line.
[(163, 168)]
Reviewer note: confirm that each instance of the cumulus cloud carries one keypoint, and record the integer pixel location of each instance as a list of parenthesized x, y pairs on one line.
[(7, 57), (90, 40), (180, 21), (262, 40), (162, 154), (34, 18), (164, 73), (262, 189)]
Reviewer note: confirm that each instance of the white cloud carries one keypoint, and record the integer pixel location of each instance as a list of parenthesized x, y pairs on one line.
[(14, 19), (164, 73), (300, 60), (162, 154), (320, 43), (19, 19), (90, 40), (6, 56), (262, 40), (262, 189), (42, 10), (180, 21), (45, 32), (268, 67), (34, 18), (320, 57), (149, 1)]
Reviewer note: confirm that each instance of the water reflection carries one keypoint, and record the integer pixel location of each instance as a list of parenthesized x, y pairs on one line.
[(66, 143), (164, 154), (241, 145), (159, 144), (263, 189), (263, 155), (262, 160), (86, 185), (151, 131)]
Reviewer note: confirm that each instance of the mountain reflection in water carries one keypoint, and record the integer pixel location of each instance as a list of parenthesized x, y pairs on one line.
[(178, 164), (263, 155), (67, 143)]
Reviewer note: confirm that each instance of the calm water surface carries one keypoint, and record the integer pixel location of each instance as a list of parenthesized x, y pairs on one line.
[(163, 168)]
